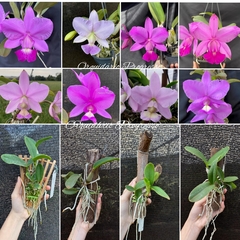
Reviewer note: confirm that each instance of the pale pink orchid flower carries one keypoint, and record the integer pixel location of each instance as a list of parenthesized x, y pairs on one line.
[(127, 40), (24, 96), (55, 107), (30, 33), (92, 30)]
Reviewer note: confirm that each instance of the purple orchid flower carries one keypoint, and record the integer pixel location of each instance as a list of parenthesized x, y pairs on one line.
[(207, 98), (24, 96), (55, 107), (30, 33), (3, 16), (149, 38), (126, 94), (92, 30), (214, 46), (90, 97), (188, 40), (127, 40), (153, 99)]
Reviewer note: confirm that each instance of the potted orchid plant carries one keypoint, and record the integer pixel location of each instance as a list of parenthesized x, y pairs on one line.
[(213, 187), (22, 99), (102, 34), (208, 38), (22, 28), (146, 100)]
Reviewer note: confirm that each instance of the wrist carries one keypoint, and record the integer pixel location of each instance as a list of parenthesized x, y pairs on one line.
[(20, 217), (190, 230)]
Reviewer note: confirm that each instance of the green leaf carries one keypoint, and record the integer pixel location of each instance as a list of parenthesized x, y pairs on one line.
[(197, 72), (231, 185), (66, 176), (15, 10), (148, 186), (200, 19), (139, 185), (102, 161), (70, 191), (149, 173), (13, 159), (232, 80), (212, 173), (40, 141), (160, 192), (218, 156), (36, 186), (230, 179), (129, 188), (200, 191), (41, 156), (175, 22), (41, 6), (65, 117), (72, 180), (39, 172), (156, 176), (101, 14), (29, 176), (31, 146), (141, 78), (197, 153), (138, 193), (70, 35), (157, 12), (4, 52), (171, 84), (220, 173), (114, 15)]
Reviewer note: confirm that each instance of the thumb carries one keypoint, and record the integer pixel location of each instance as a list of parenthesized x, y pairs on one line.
[(18, 188)]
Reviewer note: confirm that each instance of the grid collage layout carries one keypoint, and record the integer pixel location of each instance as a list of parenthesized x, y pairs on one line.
[(119, 120)]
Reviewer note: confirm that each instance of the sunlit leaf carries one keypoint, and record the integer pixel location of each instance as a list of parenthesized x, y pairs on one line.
[(141, 77), (129, 188), (148, 185), (15, 10), (139, 185), (156, 176), (102, 161), (200, 19), (72, 180), (149, 173), (230, 179), (157, 12), (175, 22), (41, 156), (40, 7), (218, 156), (40, 141), (197, 153), (101, 14), (160, 192), (231, 185), (31, 146), (200, 191), (13, 159)]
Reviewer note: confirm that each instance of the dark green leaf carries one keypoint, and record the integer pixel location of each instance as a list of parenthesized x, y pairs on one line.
[(171, 84), (139, 185), (220, 173), (129, 188), (218, 156), (102, 161), (197, 153), (157, 12), (13, 159), (200, 191), (41, 156), (66, 176), (29, 176), (101, 14), (212, 173), (31, 146), (40, 141), (160, 192), (15, 10), (231, 185), (230, 179), (138, 193), (200, 19), (149, 173), (4, 52), (72, 180), (70, 191), (36, 186), (39, 172)]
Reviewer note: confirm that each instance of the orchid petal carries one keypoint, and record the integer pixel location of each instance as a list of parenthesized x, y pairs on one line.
[(24, 82), (154, 84), (37, 92), (103, 98), (225, 49), (104, 113), (103, 42), (147, 116), (161, 47), (139, 34), (193, 89), (13, 28), (91, 80), (218, 89), (201, 31), (82, 26), (159, 35), (199, 117), (28, 19), (103, 29), (12, 43), (213, 25), (40, 45), (148, 26), (214, 57), (93, 17), (77, 110), (201, 48), (167, 97), (165, 112), (78, 95), (35, 106), (12, 106), (90, 49), (133, 104), (184, 32), (227, 34), (10, 91), (79, 39), (150, 56), (136, 46), (26, 55)]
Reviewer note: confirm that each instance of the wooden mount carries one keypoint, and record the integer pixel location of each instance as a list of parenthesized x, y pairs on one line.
[(48, 169)]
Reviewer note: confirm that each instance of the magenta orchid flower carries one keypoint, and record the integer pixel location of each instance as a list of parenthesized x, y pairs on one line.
[(213, 45), (90, 97), (24, 96), (188, 39), (149, 38), (207, 98), (55, 107), (3, 16), (127, 40), (30, 33), (126, 94), (92, 30), (154, 99)]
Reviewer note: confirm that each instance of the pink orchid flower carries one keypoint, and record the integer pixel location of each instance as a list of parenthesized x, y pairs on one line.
[(92, 30), (149, 38), (30, 33), (24, 96), (127, 40), (90, 97), (153, 99), (2, 16), (214, 46), (207, 98), (55, 107), (188, 40)]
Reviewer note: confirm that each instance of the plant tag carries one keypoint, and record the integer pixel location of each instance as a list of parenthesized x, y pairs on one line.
[(54, 175), (140, 224)]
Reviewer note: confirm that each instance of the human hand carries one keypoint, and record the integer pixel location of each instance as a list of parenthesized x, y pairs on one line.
[(81, 228)]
